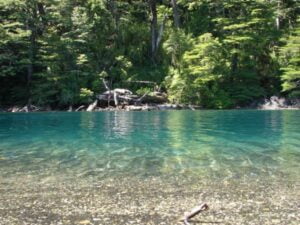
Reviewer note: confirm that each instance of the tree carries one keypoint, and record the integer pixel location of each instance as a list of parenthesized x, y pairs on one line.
[(175, 13), (203, 70), (290, 63), (23, 24), (215, 53)]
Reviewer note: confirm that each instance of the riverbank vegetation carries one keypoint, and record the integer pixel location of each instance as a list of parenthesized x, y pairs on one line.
[(213, 53)]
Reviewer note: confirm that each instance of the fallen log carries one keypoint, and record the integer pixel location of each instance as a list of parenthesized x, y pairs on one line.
[(120, 96), (122, 91), (128, 98), (139, 100), (154, 99)]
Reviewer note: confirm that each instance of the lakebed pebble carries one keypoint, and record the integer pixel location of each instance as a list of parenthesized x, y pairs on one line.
[(146, 200)]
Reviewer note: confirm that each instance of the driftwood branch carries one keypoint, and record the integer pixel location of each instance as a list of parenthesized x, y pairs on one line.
[(195, 211), (191, 107), (142, 97), (141, 82), (116, 98), (108, 89), (24, 109), (92, 106), (79, 108), (105, 84)]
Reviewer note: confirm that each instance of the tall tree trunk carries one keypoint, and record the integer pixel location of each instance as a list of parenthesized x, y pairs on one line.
[(31, 26), (114, 12), (278, 14), (160, 32), (175, 14), (31, 59), (234, 63), (154, 32)]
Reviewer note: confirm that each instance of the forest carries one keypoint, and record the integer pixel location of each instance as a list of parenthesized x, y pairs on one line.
[(213, 53)]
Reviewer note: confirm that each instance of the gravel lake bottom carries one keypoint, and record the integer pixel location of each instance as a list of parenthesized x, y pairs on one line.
[(34, 199)]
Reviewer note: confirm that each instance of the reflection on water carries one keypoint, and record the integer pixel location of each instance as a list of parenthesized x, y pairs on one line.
[(209, 143)]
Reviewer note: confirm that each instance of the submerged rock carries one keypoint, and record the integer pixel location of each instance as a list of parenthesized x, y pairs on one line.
[(134, 108), (140, 108), (169, 106)]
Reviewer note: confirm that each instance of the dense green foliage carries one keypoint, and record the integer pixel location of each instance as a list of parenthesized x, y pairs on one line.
[(218, 54), (290, 60)]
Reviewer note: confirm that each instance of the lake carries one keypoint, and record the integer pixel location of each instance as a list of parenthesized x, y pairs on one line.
[(150, 167)]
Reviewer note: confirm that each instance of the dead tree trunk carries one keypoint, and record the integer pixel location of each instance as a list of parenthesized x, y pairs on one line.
[(116, 98), (175, 13), (35, 24), (160, 33), (154, 33), (108, 89), (31, 48)]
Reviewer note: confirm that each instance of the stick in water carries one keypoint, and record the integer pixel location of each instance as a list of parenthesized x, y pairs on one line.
[(195, 211)]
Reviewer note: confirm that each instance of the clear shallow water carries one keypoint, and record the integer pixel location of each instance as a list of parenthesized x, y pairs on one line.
[(224, 144), (150, 167)]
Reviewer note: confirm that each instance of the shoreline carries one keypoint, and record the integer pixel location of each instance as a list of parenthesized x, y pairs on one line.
[(146, 107), (99, 105)]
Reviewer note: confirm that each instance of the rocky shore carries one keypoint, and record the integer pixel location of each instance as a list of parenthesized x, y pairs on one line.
[(275, 103), (113, 100), (143, 107), (152, 103)]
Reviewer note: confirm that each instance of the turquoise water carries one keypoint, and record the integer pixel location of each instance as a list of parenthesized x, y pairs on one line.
[(205, 143)]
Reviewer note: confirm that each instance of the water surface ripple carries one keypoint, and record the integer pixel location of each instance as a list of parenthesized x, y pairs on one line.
[(213, 143)]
